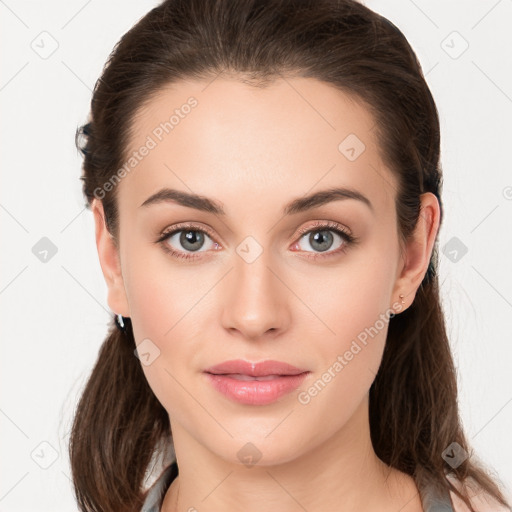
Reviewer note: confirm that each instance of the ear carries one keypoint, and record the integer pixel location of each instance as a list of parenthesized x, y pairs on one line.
[(110, 262), (418, 250)]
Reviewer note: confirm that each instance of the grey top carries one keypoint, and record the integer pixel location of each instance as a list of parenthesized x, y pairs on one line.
[(157, 491), (431, 501)]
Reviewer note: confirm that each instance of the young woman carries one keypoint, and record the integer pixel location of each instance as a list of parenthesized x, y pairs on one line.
[(265, 182)]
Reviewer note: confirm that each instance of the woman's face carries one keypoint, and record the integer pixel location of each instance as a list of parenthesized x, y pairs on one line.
[(255, 288)]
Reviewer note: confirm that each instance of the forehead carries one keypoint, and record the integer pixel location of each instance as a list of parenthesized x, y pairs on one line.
[(229, 140)]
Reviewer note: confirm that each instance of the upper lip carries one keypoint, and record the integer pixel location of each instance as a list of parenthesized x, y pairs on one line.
[(261, 369)]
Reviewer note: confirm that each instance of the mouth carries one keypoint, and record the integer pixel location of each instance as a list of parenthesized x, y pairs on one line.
[(255, 383)]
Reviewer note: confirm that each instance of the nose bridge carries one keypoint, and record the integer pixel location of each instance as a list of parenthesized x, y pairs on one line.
[(256, 298)]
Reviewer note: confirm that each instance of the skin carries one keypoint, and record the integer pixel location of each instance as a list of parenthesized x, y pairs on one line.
[(254, 150)]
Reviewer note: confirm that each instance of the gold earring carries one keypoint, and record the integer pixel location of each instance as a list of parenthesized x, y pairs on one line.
[(402, 298)]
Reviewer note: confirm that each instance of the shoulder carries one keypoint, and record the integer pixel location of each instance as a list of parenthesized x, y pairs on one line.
[(480, 500)]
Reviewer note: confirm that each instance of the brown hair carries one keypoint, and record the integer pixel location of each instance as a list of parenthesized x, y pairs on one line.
[(414, 413)]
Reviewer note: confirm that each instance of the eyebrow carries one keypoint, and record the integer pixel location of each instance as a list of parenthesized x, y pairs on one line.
[(298, 205)]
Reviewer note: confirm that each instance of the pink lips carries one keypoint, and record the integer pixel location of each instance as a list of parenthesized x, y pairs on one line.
[(255, 383)]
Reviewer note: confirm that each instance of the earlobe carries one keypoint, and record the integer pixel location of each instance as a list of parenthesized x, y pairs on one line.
[(108, 254), (419, 248)]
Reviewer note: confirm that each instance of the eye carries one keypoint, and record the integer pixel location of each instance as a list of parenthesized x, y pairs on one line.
[(183, 239), (189, 237), (320, 238)]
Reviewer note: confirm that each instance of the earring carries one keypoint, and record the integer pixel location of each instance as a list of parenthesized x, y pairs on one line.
[(122, 322), (402, 298)]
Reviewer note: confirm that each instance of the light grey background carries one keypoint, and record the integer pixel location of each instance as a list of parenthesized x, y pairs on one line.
[(54, 313)]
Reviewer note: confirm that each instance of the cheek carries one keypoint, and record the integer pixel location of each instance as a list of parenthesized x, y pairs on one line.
[(351, 358), (348, 303), (352, 311), (159, 294), (160, 329), (163, 313), (350, 361), (164, 306)]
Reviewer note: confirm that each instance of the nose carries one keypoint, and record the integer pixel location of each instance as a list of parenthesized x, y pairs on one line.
[(255, 299)]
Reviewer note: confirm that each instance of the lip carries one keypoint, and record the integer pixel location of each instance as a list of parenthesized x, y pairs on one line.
[(236, 379), (261, 369)]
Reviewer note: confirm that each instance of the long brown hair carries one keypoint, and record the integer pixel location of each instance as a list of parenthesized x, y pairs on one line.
[(414, 412)]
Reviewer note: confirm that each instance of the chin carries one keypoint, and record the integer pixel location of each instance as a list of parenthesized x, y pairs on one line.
[(260, 451)]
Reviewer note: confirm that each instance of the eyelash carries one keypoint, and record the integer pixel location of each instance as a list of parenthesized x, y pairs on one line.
[(348, 239)]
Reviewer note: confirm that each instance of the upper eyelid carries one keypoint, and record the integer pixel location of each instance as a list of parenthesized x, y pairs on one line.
[(183, 226), (328, 225)]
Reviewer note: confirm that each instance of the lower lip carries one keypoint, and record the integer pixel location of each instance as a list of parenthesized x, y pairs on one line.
[(256, 392)]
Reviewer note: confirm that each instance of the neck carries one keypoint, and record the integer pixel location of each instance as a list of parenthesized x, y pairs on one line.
[(343, 473)]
